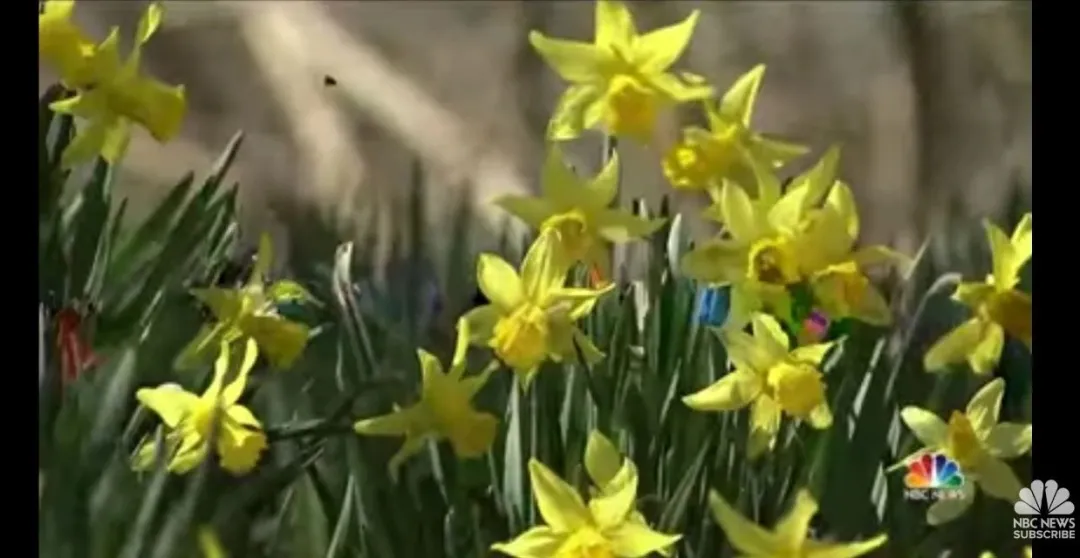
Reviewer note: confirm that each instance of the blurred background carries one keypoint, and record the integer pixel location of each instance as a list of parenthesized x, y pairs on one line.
[(931, 102)]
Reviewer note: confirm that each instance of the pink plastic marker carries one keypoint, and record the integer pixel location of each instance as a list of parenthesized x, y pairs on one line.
[(815, 326)]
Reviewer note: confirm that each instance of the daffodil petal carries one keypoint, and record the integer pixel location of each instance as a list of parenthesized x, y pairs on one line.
[(461, 347), (613, 25), (983, 410), (765, 415), (1009, 440), (634, 539), (241, 440), (602, 459), (821, 417), (616, 225), (769, 335), (410, 447), (747, 537), (657, 50), (737, 210), (481, 320), (579, 108), (954, 346), (559, 504), (812, 354), (545, 267), (948, 509), (474, 433), (397, 423), (716, 261), (610, 508), (499, 282), (538, 542), (282, 341), (734, 391), (235, 388), (985, 355), (574, 61), (168, 401), (533, 211), (795, 524), (1021, 241), (844, 550), (1002, 253), (747, 352), (927, 427), (998, 480), (738, 102)]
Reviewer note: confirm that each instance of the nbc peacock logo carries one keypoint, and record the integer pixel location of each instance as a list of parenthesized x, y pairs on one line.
[(933, 476), (1044, 512)]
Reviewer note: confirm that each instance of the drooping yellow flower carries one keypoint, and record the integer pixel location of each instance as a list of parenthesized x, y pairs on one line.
[(603, 464), (835, 269), (789, 537), (580, 211), (977, 443), (772, 379), (190, 420), (62, 45), (998, 305), (531, 317), (758, 255), (619, 82), (705, 157), (444, 411), (115, 94), (604, 527), (251, 312)]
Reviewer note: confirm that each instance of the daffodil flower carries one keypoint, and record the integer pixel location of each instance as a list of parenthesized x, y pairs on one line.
[(758, 257), (62, 45), (114, 95), (580, 211), (444, 411), (977, 443), (705, 157), (789, 537), (605, 526), (835, 269), (772, 379), (998, 305), (251, 312), (190, 418), (606, 469), (531, 317), (620, 81)]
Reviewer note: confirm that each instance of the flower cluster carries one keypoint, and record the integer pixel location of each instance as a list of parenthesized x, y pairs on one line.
[(788, 256)]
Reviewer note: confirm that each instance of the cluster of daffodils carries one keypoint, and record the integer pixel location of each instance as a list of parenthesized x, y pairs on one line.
[(108, 93), (788, 254)]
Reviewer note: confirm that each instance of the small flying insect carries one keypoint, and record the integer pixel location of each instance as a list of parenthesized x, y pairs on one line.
[(329, 81)]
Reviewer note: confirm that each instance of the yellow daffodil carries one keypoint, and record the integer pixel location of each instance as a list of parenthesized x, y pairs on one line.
[(835, 269), (117, 95), (705, 157), (190, 420), (580, 211), (606, 469), (251, 312), (789, 538), (531, 317), (758, 256), (444, 411), (772, 379), (604, 527), (62, 45), (998, 305), (620, 81), (977, 443)]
